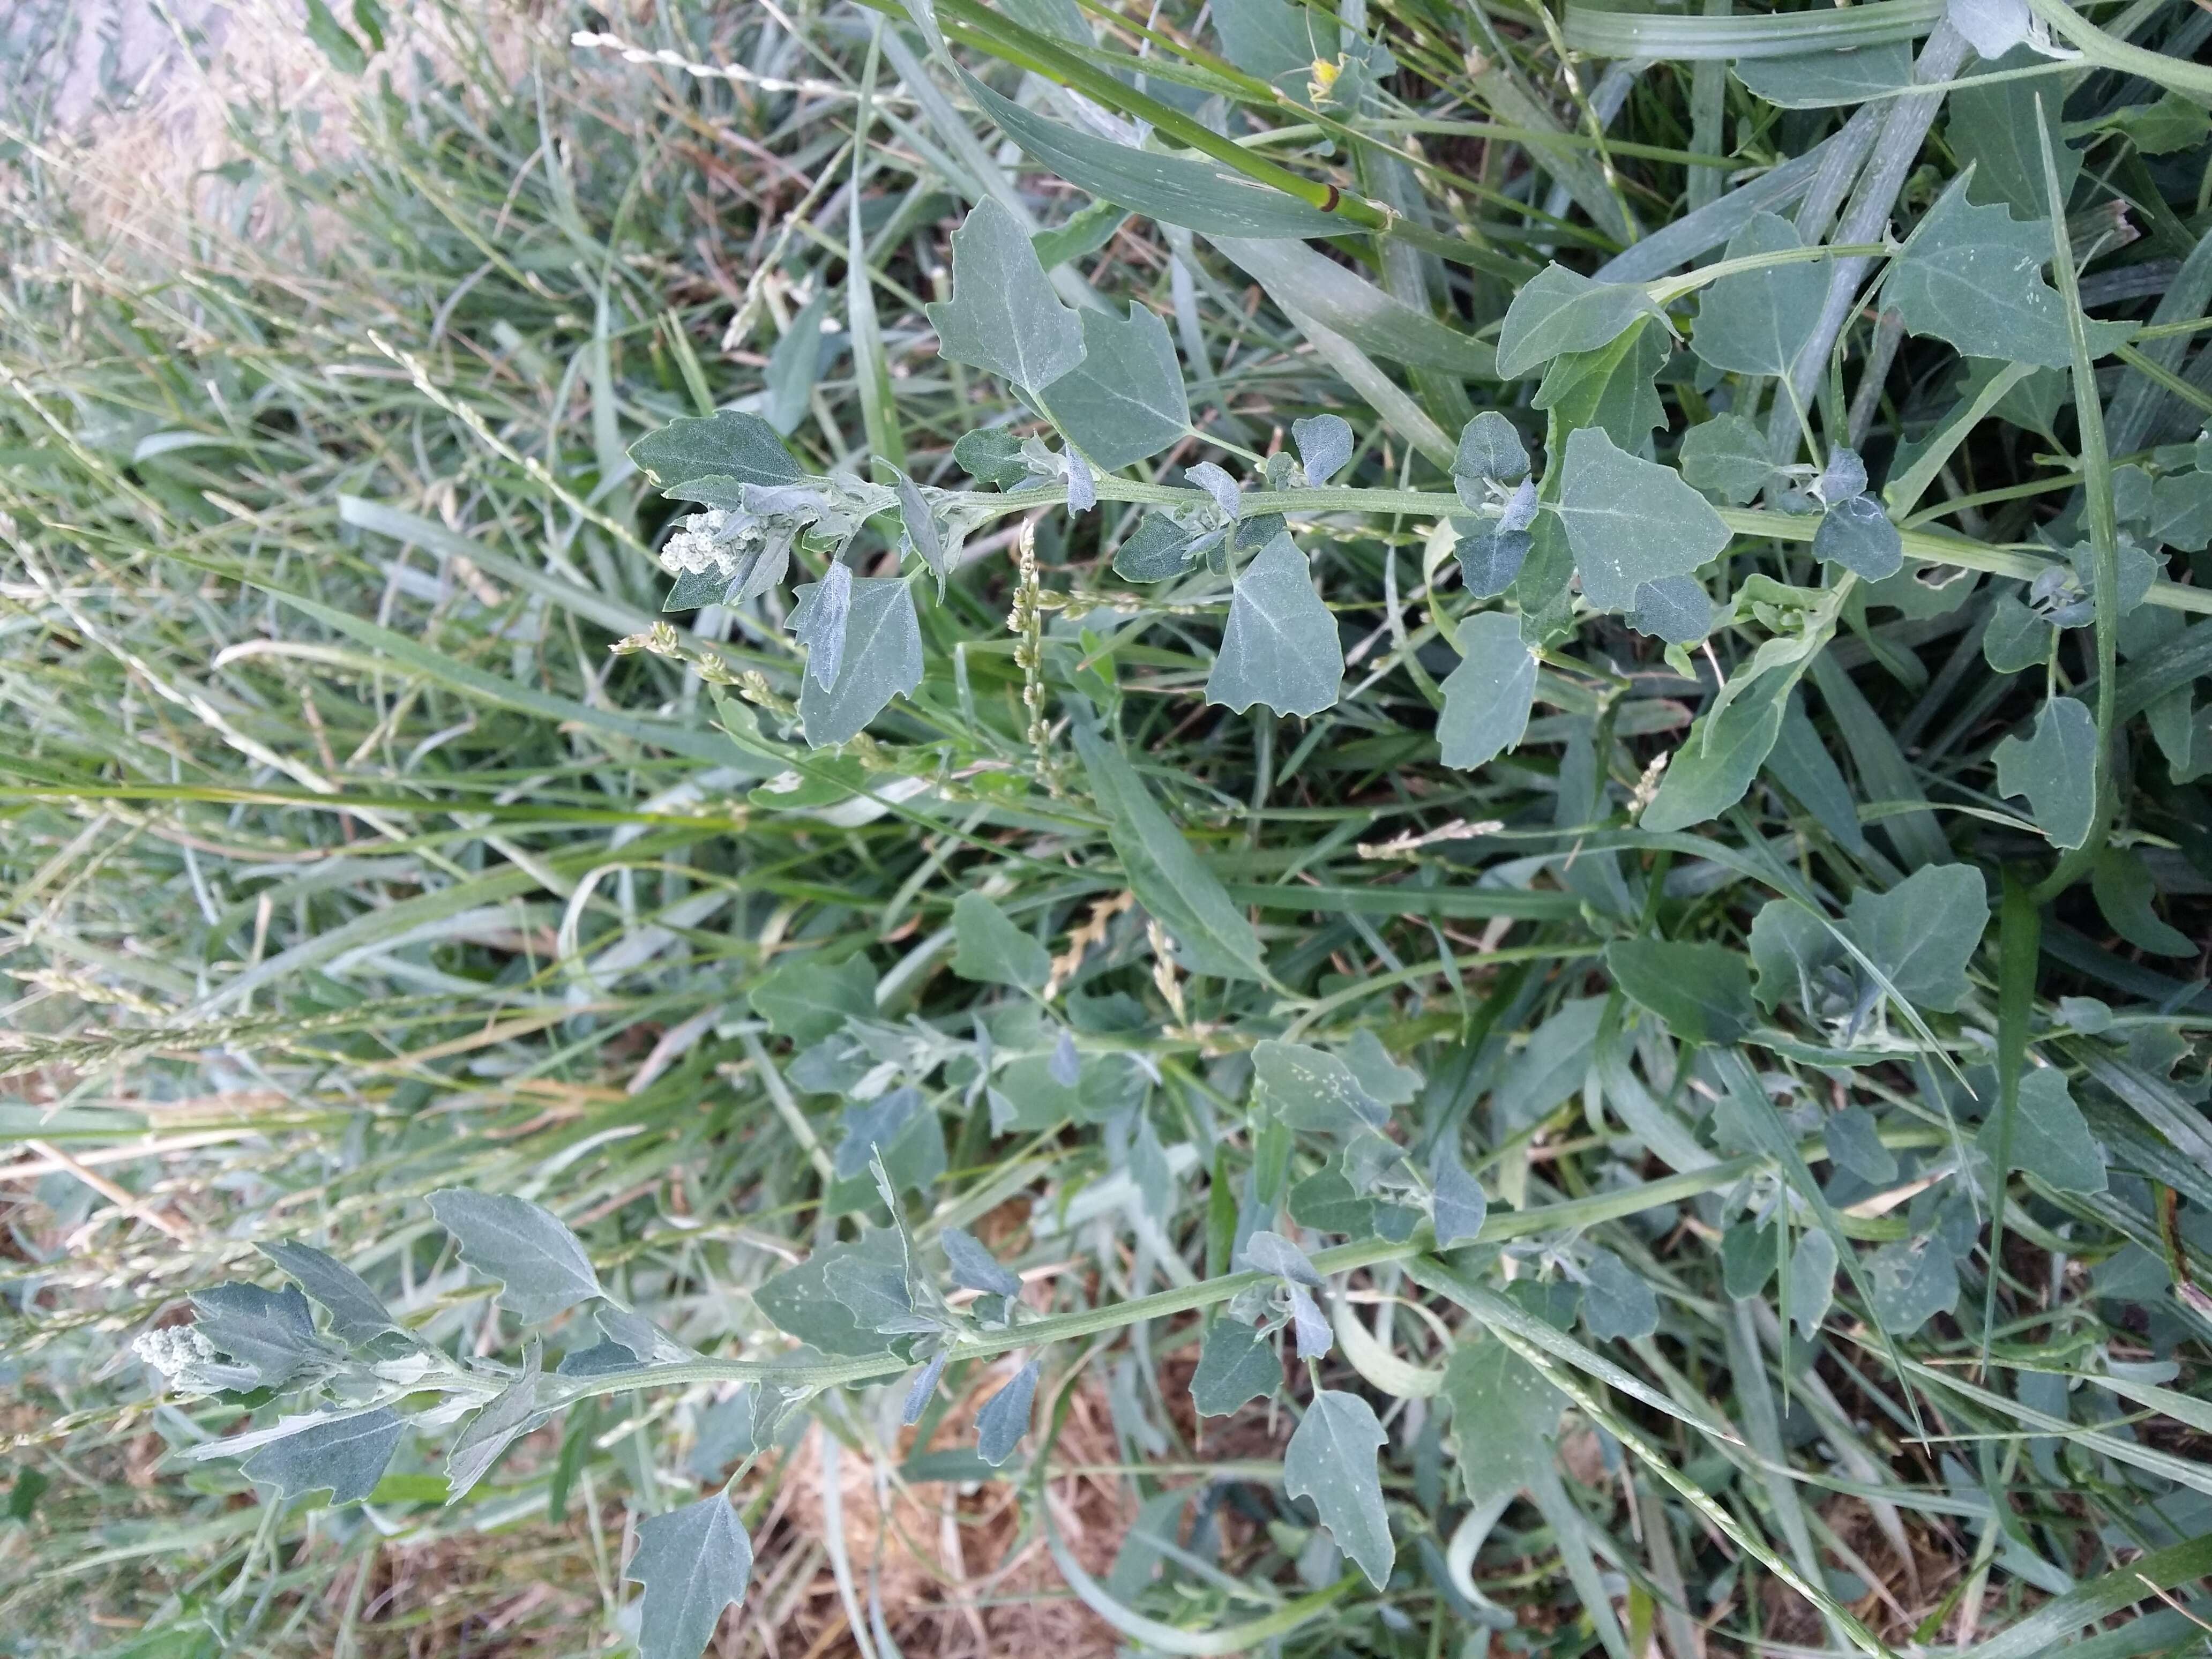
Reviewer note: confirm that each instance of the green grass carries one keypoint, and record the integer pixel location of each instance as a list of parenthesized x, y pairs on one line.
[(343, 860)]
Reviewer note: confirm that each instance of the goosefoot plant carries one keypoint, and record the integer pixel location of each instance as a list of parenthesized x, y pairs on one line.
[(1809, 1127)]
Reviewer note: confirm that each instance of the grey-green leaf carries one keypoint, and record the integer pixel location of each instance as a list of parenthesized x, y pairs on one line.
[(800, 1302), (1458, 1204), (1313, 1091), (540, 1265), (1812, 1281), (1716, 762), (1490, 449), (1675, 608), (2051, 1138), (356, 1312), (2056, 767), (2016, 638), (1616, 1303), (1824, 80), (1972, 275), (881, 657), (1004, 317), (1854, 1141), (346, 1455), (1005, 1417), (1489, 558), (990, 950), (1727, 457), (810, 999), (693, 1562), (1236, 1363), (1856, 534), (1381, 1078), (725, 444), (1923, 932), (820, 626), (1913, 1282), (1324, 444), (270, 1332), (976, 1267), (1125, 401), (923, 536), (2125, 888), (1167, 877), (1703, 991), (1487, 697), (1629, 521), (1754, 322), (1503, 1415), (1331, 1462), (493, 1429), (1268, 1252), (1558, 310), (1280, 648)]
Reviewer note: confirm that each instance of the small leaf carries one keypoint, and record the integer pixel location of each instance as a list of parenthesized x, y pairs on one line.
[(540, 1265), (1271, 1253), (356, 1312), (1629, 521), (1235, 1364), (728, 1430), (810, 999), (270, 1332), (1923, 932), (1746, 1260), (1331, 1462), (693, 1562), (881, 657), (2016, 637), (2051, 1138), (1854, 1144), (493, 1429), (1972, 275), (820, 627), (1992, 27), (1675, 608), (976, 1267), (1913, 1282), (1727, 457), (1313, 1091), (2124, 889), (1084, 232), (1324, 444), (1159, 549), (992, 456), (2056, 767), (1558, 310), (1003, 317), (1281, 646), (741, 447), (922, 536), (1812, 1282), (1458, 1204), (1856, 534), (1309, 1325), (1616, 1303), (1717, 762), (873, 1125), (1005, 1417), (1702, 991), (1219, 486), (1489, 451), (346, 1456), (922, 1389), (1125, 401), (1755, 322), (1487, 697), (1489, 558), (989, 950), (800, 1301), (1381, 1078), (1614, 389)]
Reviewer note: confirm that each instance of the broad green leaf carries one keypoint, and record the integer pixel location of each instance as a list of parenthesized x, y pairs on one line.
[(1746, 1259), (974, 1267), (1727, 457), (1716, 762), (511, 1412), (1675, 608), (1168, 880), (1558, 310), (2051, 1138), (1823, 80), (1702, 991), (800, 1301), (1487, 697), (725, 445), (2056, 767), (1380, 1077), (693, 1562), (1912, 1281), (2174, 123), (1125, 401), (809, 999), (2016, 638), (1972, 275), (540, 1265), (1854, 1141), (990, 950), (1801, 763), (344, 1455), (1504, 1416), (1324, 444), (1005, 1417), (270, 1332), (1271, 39), (1923, 932), (1489, 450), (1313, 1091), (356, 1312), (1616, 1303), (1612, 388), (1236, 1363), (1550, 1067), (1812, 1281), (1629, 521), (1993, 128), (1755, 322), (1003, 317), (1458, 1206), (1331, 1463), (2125, 888), (1183, 190), (1280, 648), (2181, 511), (881, 657), (1855, 533)]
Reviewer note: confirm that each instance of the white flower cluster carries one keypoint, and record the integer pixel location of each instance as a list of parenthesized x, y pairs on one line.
[(697, 545), (190, 1361)]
